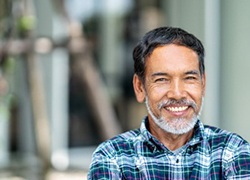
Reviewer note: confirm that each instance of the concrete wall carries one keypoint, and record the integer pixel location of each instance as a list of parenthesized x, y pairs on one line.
[(235, 65)]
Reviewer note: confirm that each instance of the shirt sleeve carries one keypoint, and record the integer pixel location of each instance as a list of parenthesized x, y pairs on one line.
[(239, 164), (104, 168)]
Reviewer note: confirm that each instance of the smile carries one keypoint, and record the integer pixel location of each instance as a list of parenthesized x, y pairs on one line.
[(177, 109)]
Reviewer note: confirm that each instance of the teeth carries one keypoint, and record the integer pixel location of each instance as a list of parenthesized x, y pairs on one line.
[(177, 109)]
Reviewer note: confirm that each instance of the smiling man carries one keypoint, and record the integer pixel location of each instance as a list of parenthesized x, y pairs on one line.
[(172, 142)]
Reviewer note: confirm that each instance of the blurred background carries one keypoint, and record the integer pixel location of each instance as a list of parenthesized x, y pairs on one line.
[(66, 75)]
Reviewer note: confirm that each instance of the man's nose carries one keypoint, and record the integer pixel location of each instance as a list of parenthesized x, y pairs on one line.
[(176, 90)]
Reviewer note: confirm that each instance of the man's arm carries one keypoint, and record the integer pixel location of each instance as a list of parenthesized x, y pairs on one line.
[(104, 168), (239, 163)]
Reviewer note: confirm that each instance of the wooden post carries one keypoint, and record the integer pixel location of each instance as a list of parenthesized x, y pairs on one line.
[(41, 123)]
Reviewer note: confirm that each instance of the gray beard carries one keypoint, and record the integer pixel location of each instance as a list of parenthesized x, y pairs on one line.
[(175, 126)]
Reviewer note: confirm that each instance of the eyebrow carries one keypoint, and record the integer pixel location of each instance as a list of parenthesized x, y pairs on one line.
[(160, 74), (195, 72)]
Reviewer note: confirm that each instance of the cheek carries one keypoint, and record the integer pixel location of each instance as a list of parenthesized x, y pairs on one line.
[(156, 93), (197, 94)]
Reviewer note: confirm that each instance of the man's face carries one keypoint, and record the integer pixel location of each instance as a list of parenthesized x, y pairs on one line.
[(173, 88)]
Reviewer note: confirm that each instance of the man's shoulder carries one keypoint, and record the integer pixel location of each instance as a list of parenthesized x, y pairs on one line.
[(222, 137), (120, 143)]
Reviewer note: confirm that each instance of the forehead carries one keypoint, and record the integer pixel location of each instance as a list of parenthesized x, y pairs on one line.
[(172, 58)]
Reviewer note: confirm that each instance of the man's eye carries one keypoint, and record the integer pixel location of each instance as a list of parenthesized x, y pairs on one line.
[(161, 80), (191, 78)]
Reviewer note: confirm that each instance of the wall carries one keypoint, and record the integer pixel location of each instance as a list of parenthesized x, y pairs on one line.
[(223, 27), (235, 64)]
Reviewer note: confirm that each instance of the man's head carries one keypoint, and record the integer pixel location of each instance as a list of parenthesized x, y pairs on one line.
[(170, 78)]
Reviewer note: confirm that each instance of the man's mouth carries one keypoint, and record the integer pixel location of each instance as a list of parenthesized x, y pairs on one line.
[(177, 108)]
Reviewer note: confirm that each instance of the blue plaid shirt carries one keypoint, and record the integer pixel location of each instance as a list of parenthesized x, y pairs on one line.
[(212, 153)]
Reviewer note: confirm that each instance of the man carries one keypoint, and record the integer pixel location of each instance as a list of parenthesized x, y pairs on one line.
[(172, 143)]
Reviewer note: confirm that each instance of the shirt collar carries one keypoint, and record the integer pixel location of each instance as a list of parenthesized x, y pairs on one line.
[(144, 131)]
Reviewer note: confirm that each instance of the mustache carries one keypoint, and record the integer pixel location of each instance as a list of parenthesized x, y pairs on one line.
[(177, 102)]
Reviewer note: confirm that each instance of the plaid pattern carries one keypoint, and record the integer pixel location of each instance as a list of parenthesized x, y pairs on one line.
[(212, 153)]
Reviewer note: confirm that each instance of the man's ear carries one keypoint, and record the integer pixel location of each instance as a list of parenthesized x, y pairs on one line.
[(139, 89)]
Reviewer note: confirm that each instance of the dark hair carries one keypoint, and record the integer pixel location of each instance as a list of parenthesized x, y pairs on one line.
[(163, 36)]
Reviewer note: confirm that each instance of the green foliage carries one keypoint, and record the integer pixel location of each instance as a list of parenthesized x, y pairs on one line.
[(26, 23)]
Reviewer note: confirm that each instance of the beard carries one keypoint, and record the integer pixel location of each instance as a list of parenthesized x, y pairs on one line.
[(175, 126)]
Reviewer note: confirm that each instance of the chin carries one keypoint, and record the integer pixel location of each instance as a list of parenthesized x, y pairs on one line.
[(176, 126)]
